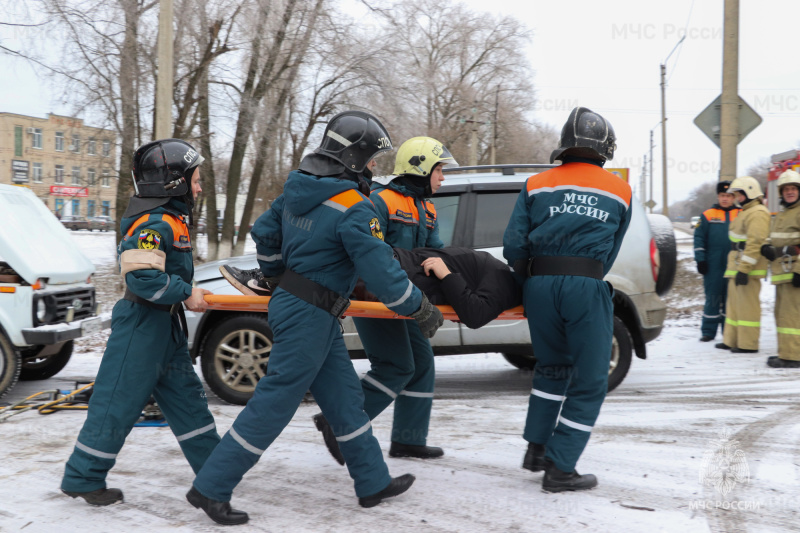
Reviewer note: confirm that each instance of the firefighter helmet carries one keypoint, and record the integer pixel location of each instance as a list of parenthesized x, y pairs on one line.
[(747, 186), (418, 155), (354, 138), (790, 177), (586, 134)]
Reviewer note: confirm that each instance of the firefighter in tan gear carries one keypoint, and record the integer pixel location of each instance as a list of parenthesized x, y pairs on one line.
[(745, 268), (782, 250)]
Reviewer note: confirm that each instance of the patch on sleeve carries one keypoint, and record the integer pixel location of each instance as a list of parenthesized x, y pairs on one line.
[(375, 228), (149, 240)]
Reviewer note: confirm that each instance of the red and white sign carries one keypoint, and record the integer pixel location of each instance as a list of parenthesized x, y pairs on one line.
[(58, 190)]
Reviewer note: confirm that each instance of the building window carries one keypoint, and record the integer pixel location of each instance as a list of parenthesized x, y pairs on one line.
[(17, 141), (76, 144), (90, 208), (106, 148), (60, 174), (59, 141), (59, 207), (76, 175), (106, 208), (90, 177), (91, 147), (76, 207), (37, 172), (37, 138), (106, 179)]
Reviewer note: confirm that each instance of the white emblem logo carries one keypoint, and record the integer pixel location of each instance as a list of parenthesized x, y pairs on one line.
[(724, 465)]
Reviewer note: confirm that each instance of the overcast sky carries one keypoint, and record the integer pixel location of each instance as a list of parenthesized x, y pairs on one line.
[(606, 56)]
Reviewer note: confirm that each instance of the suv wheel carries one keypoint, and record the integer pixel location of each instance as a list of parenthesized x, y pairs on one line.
[(234, 356), (664, 235), (621, 354), (9, 364), (46, 366)]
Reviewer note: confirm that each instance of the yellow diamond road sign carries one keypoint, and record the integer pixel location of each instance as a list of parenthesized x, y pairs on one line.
[(709, 119)]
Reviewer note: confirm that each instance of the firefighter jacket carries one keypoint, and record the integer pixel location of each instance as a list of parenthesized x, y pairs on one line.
[(573, 210), (161, 228), (785, 232), (748, 232), (325, 230), (711, 242), (408, 219), (479, 287)]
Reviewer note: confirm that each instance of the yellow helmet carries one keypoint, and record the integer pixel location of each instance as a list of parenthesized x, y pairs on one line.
[(418, 155), (749, 186), (790, 177)]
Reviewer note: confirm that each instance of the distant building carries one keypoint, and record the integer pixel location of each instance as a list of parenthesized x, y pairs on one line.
[(70, 166)]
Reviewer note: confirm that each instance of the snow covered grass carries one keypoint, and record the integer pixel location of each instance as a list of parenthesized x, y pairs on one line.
[(656, 434)]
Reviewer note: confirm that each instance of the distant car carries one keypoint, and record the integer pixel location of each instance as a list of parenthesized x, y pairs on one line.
[(101, 223), (74, 222), (695, 222)]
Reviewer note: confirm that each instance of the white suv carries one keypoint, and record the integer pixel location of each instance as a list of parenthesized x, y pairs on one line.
[(473, 211)]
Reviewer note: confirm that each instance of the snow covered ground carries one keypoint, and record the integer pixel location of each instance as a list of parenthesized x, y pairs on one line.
[(687, 411)]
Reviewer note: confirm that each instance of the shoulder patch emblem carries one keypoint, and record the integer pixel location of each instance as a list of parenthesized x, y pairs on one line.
[(149, 240), (375, 228)]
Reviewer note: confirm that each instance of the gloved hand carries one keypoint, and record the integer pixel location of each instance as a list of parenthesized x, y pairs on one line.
[(702, 267), (795, 280), (428, 317), (742, 278), (769, 251)]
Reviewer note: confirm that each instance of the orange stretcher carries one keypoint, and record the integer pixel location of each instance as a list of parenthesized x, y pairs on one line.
[(358, 308)]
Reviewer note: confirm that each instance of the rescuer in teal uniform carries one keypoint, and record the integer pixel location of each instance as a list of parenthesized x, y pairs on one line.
[(563, 237), (711, 248), (147, 351), (316, 239)]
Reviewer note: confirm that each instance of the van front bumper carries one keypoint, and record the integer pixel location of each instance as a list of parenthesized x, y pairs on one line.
[(68, 331)]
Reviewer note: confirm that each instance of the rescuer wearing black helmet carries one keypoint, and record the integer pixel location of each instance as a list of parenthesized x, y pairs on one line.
[(563, 237), (147, 352)]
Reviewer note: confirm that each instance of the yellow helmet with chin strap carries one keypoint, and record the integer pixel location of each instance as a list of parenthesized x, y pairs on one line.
[(747, 185), (418, 155), (790, 177)]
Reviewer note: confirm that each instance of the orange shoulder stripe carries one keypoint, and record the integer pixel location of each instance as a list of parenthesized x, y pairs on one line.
[(583, 177), (396, 201), (140, 220), (347, 199)]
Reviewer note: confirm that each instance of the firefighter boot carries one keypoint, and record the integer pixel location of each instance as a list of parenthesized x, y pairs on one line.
[(98, 497), (330, 439), (556, 480), (219, 512), (534, 457), (410, 450), (398, 485), (776, 362)]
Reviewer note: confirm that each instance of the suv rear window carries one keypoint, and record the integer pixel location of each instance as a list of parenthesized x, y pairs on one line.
[(446, 210), (493, 210)]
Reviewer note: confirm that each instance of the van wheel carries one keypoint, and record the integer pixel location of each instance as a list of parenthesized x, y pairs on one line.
[(664, 235), (9, 365), (46, 366), (234, 356), (621, 354)]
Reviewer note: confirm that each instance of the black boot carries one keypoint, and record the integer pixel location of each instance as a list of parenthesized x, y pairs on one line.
[(556, 480), (706, 338), (219, 512), (776, 362), (742, 350), (722, 346), (98, 497), (330, 439), (398, 485), (410, 450), (534, 457)]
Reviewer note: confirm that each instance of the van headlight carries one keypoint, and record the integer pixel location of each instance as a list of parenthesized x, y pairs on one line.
[(44, 309), (41, 310)]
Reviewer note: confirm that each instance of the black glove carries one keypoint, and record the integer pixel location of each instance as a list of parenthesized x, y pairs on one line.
[(702, 267), (769, 251), (742, 278), (795, 280), (428, 317)]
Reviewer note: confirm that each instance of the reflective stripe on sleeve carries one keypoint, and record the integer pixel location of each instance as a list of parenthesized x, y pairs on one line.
[(404, 297), (548, 396), (269, 258), (380, 386), (749, 260), (350, 436), (737, 237), (416, 394), (196, 432), (246, 445), (96, 453), (338, 207), (575, 425), (781, 235), (161, 291)]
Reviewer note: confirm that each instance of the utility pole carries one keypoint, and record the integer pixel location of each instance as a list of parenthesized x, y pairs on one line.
[(729, 109), (652, 145), (665, 206), (494, 129), (642, 181), (163, 118), (473, 150)]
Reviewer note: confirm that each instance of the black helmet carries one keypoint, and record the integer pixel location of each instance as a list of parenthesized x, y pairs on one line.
[(586, 134), (723, 186), (354, 138), (161, 170)]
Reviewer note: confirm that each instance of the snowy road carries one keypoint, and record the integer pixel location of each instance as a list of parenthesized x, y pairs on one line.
[(657, 434)]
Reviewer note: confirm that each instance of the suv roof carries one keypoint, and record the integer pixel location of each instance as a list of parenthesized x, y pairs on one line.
[(495, 177)]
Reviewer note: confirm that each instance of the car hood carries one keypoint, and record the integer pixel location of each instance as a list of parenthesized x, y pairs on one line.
[(210, 270), (34, 243)]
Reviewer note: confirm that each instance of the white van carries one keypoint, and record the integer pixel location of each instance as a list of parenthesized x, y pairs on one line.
[(46, 297)]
